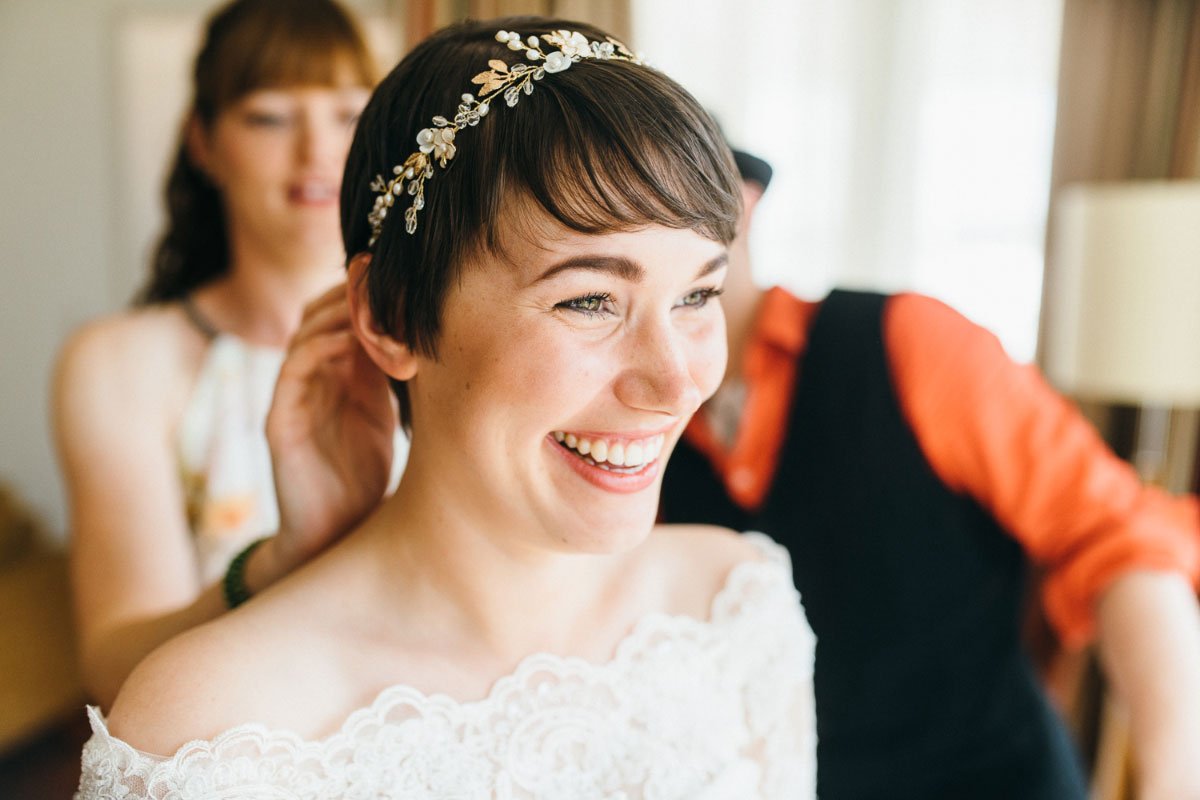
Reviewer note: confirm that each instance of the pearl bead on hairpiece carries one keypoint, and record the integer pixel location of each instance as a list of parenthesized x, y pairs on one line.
[(436, 143)]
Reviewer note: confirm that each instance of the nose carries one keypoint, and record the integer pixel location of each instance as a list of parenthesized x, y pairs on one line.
[(660, 372), (322, 141)]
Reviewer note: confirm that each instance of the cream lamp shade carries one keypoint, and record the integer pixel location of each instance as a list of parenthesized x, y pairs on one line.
[(1123, 319)]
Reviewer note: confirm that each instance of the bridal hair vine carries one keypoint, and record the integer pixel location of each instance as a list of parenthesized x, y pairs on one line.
[(436, 143)]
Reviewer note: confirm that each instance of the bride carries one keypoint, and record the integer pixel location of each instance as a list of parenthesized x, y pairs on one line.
[(539, 225)]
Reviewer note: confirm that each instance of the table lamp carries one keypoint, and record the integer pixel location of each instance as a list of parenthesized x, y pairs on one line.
[(1123, 319), (1123, 328)]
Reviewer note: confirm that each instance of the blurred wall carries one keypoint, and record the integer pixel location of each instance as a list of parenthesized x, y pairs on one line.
[(72, 245)]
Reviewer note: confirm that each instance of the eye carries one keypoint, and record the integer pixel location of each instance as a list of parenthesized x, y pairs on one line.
[(699, 298), (267, 119), (591, 305)]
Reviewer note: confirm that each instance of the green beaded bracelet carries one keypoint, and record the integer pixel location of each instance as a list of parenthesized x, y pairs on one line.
[(236, 591)]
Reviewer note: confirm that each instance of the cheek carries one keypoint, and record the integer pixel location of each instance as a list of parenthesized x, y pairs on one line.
[(708, 354), (507, 370), (532, 377), (552, 371), (343, 145), (254, 160)]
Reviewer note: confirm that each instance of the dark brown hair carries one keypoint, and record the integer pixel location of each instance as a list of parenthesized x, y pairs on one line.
[(248, 45), (602, 146)]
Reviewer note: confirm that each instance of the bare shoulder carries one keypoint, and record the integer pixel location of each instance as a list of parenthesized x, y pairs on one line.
[(121, 341), (134, 354), (695, 561), (281, 660), (180, 691), (240, 668), (123, 379)]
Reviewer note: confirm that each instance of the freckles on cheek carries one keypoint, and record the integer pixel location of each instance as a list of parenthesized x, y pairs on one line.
[(551, 367)]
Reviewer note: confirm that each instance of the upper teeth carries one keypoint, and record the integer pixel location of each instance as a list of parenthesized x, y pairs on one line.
[(617, 453)]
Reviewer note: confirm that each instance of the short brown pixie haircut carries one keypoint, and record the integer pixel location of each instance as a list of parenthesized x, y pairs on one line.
[(603, 146)]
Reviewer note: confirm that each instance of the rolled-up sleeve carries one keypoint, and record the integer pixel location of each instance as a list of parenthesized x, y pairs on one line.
[(994, 429)]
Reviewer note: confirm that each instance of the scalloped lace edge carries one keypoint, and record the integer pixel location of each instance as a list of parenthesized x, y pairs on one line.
[(728, 605)]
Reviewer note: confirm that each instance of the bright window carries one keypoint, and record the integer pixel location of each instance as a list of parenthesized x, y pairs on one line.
[(911, 140)]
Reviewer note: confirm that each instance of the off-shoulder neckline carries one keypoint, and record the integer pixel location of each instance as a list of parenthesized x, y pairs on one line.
[(723, 609)]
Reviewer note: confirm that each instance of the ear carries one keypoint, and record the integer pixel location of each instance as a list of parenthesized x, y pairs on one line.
[(389, 354), (197, 139)]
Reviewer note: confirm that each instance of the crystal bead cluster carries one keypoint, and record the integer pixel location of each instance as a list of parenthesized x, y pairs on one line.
[(436, 143)]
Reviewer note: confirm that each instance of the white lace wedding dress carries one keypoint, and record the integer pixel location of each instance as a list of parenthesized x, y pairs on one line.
[(686, 710)]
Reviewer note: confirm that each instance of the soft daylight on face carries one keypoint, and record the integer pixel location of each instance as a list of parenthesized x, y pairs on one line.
[(565, 375)]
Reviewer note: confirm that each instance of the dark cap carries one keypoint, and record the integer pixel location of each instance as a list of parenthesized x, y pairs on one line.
[(753, 168)]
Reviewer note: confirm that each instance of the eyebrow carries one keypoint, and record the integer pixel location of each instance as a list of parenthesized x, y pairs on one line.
[(622, 267)]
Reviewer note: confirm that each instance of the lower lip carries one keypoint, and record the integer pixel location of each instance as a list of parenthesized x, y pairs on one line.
[(301, 199), (609, 481)]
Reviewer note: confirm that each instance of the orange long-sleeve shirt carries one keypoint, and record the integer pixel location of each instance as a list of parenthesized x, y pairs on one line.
[(989, 428)]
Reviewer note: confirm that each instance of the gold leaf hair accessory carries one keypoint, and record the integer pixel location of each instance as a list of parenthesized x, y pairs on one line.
[(436, 143)]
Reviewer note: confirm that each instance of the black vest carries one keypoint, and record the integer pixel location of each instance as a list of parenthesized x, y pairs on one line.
[(914, 591)]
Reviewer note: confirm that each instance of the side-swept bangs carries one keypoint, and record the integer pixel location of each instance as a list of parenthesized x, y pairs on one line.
[(602, 146), (610, 147)]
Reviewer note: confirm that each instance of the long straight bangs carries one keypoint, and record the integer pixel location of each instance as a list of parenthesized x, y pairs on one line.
[(272, 44)]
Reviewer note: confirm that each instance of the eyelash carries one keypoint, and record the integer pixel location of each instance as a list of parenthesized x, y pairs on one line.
[(598, 299), (577, 304), (706, 294)]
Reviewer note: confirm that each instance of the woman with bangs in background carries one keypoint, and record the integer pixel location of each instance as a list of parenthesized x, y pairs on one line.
[(160, 410)]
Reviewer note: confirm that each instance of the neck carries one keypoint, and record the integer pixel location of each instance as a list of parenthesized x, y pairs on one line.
[(261, 300), (499, 591)]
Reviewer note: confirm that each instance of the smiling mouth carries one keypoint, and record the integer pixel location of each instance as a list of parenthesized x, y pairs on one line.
[(320, 192), (625, 457)]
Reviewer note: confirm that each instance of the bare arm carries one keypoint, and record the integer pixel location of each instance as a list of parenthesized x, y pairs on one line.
[(133, 570), (1149, 636), (133, 563)]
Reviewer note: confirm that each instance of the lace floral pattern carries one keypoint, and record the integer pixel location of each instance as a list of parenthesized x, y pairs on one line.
[(716, 710)]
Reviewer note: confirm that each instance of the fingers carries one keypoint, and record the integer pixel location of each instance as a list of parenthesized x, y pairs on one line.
[(328, 313), (304, 376), (331, 296), (324, 378), (307, 355)]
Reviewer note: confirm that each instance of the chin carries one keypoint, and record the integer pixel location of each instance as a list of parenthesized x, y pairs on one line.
[(617, 536), (319, 237)]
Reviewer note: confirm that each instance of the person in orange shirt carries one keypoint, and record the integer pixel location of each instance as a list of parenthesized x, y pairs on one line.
[(914, 471)]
